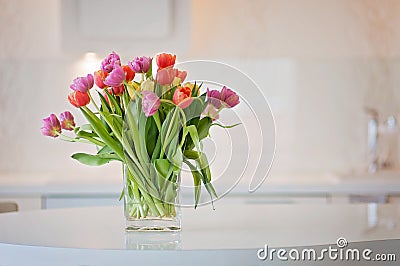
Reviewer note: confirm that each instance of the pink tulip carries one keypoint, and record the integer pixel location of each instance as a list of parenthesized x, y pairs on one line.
[(116, 77), (67, 121), (110, 61), (82, 84), (51, 126), (214, 98), (229, 97), (226, 98), (180, 74), (165, 76), (150, 103), (140, 64)]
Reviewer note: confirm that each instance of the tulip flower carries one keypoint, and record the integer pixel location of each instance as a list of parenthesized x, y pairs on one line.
[(82, 84), (150, 103), (117, 91), (225, 97), (147, 85), (129, 74), (229, 97), (78, 99), (99, 77), (180, 74), (214, 98), (110, 61), (165, 60), (165, 76), (67, 121), (182, 97), (116, 77), (51, 126), (140, 64)]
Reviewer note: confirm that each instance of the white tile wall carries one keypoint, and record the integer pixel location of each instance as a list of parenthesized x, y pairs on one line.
[(318, 63)]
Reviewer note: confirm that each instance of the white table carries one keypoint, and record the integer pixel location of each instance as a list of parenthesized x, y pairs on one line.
[(91, 236)]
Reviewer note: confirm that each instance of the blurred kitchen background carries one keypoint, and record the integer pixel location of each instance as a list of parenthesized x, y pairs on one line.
[(329, 69)]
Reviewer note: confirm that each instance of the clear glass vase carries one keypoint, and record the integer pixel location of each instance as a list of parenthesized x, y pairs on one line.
[(155, 207)]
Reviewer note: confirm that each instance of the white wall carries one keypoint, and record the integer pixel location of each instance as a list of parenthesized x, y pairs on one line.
[(318, 62)]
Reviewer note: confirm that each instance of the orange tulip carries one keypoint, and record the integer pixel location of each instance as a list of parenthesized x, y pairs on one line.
[(182, 97), (99, 77)]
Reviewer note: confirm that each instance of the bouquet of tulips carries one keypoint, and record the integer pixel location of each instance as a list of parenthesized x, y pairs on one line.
[(151, 122)]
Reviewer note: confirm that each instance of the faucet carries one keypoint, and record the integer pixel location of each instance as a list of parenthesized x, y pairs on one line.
[(373, 129)]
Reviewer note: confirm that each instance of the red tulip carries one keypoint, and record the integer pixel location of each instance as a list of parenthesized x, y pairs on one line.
[(117, 91), (182, 97), (129, 74), (165, 60), (78, 99)]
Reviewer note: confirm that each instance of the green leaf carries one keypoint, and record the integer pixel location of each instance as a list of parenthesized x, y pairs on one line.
[(195, 109), (202, 163), (115, 103), (190, 154), (94, 160), (98, 127), (86, 127), (197, 177), (163, 167), (194, 136), (151, 136), (105, 106), (204, 127), (105, 149), (82, 133)]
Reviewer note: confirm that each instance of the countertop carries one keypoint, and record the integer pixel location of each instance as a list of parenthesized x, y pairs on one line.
[(230, 228)]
